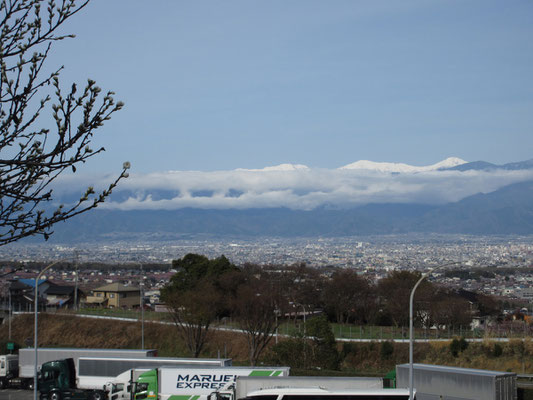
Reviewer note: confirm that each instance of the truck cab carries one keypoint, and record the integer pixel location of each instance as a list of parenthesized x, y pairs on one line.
[(147, 385), (9, 368), (57, 381), (123, 386)]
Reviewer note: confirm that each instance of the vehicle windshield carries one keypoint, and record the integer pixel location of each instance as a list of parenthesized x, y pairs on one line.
[(119, 387), (141, 387), (141, 391), (49, 375)]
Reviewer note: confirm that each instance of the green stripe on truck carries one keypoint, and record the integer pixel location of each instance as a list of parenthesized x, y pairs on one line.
[(262, 373)]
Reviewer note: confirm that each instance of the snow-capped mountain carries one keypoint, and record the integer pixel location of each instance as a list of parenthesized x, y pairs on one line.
[(280, 167), (451, 196), (403, 168)]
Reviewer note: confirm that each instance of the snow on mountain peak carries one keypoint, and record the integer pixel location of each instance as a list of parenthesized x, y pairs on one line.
[(403, 168), (280, 167)]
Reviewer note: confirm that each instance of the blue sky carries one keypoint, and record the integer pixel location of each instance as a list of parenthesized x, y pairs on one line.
[(219, 85)]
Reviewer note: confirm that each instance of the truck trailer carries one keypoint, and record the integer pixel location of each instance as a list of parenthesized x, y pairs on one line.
[(27, 356), (437, 382), (315, 393), (18, 369), (97, 372), (246, 384), (172, 383)]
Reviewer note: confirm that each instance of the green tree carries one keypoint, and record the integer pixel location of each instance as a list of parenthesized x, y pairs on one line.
[(324, 350), (197, 295), (193, 311), (458, 346), (42, 135), (290, 352)]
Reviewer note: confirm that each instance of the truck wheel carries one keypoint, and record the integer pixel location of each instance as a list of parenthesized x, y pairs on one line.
[(98, 396), (55, 396), (2, 384)]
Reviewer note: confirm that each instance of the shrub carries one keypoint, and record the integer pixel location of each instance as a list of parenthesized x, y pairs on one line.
[(497, 351), (387, 349), (291, 352), (458, 346)]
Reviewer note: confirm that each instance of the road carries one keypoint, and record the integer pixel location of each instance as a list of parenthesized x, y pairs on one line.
[(16, 394)]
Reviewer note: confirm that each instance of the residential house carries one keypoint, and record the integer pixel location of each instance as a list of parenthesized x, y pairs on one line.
[(22, 292), (62, 296), (115, 295)]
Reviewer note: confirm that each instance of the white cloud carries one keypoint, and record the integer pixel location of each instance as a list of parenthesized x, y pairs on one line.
[(296, 188)]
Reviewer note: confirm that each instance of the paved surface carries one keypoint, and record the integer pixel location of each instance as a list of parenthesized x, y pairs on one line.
[(16, 394)]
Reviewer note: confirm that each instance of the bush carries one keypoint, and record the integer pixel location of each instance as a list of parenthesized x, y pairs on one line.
[(291, 352), (387, 349), (458, 346), (324, 348), (348, 348), (498, 350)]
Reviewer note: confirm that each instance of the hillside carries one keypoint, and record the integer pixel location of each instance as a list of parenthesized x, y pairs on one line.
[(367, 358)]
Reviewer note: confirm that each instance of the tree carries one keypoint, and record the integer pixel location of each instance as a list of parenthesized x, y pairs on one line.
[(193, 311), (394, 291), (35, 150), (291, 352), (349, 297), (257, 306), (450, 310), (196, 295), (303, 286), (324, 349)]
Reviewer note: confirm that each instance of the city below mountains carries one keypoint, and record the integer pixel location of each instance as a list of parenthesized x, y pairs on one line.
[(410, 200)]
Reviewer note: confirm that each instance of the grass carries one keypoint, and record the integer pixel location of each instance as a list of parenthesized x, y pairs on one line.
[(366, 358), (341, 331)]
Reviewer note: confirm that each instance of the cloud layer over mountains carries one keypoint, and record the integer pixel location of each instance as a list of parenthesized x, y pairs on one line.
[(301, 188)]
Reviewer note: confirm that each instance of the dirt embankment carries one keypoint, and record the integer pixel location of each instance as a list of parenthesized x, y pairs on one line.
[(371, 358)]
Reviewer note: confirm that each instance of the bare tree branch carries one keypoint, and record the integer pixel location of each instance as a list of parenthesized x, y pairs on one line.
[(32, 157)]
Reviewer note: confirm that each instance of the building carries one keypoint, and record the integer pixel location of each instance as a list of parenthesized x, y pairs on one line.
[(62, 296), (115, 295)]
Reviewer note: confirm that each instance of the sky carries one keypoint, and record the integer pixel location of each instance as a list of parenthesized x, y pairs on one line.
[(220, 85)]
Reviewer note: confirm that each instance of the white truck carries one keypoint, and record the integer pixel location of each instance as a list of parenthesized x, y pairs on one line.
[(194, 383), (9, 371), (244, 385), (18, 370), (453, 383), (123, 386), (97, 372), (315, 393)]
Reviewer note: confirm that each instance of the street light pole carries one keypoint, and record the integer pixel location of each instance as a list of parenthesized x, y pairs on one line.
[(35, 309), (141, 303), (411, 339), (76, 283), (10, 314)]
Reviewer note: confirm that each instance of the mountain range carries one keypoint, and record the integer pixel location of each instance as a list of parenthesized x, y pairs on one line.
[(506, 210)]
